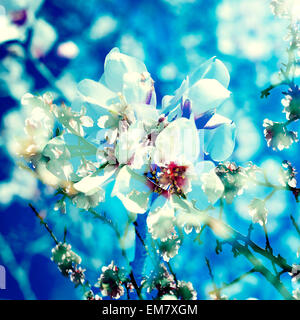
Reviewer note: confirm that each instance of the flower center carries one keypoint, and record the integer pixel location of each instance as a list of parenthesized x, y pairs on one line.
[(167, 180)]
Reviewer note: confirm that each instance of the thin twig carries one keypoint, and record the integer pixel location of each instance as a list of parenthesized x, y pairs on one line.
[(295, 224), (104, 219), (171, 270), (236, 280), (43, 223), (216, 289), (274, 280)]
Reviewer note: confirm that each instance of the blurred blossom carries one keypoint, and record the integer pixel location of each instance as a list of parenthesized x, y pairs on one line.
[(248, 139), (102, 27), (8, 30), (68, 50), (132, 46), (278, 136), (258, 211), (296, 294), (295, 274), (168, 72), (30, 139), (44, 36), (16, 17), (286, 9), (22, 185), (247, 29), (13, 77)]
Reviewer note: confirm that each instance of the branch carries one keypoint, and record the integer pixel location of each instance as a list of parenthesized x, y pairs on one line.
[(43, 223), (216, 289), (236, 280), (295, 224), (109, 222), (274, 280), (230, 233)]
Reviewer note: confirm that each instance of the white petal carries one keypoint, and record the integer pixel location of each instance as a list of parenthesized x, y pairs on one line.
[(132, 190), (145, 113), (90, 183), (219, 142), (138, 87), (43, 38), (204, 167), (206, 94), (86, 121), (128, 141), (217, 120), (211, 69), (178, 142), (212, 186), (116, 65), (170, 104), (96, 93), (161, 220)]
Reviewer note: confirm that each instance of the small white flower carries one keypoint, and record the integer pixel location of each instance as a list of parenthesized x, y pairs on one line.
[(39, 123), (277, 135), (161, 222), (295, 274), (186, 291), (296, 294), (258, 211)]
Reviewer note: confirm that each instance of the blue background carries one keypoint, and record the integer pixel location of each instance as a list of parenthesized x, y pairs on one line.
[(172, 38)]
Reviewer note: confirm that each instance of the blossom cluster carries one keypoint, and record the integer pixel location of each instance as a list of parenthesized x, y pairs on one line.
[(163, 286), (112, 280), (158, 156), (165, 161), (67, 262), (277, 134), (288, 9)]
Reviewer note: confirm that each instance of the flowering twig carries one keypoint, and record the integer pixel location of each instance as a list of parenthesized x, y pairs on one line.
[(104, 219), (43, 223), (76, 273)]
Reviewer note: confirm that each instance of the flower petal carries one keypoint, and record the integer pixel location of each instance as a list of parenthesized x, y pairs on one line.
[(96, 93), (179, 142), (89, 183), (146, 114), (197, 194), (211, 69), (206, 94), (116, 65), (161, 219), (128, 141), (212, 186), (138, 88), (219, 142), (132, 190)]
